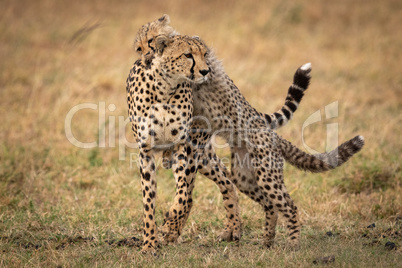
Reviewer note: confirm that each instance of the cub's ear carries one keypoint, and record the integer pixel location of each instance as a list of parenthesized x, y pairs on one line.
[(161, 42), (164, 20)]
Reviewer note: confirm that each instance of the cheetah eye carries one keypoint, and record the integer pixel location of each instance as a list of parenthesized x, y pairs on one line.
[(206, 53), (150, 40), (188, 55), (139, 49)]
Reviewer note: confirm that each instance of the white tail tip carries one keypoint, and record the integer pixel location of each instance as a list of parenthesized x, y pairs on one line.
[(306, 66)]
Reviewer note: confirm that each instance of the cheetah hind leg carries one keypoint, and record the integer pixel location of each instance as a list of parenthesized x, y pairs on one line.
[(272, 184), (244, 178), (294, 225)]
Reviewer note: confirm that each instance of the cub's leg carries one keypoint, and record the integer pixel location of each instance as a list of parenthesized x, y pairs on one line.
[(213, 168), (268, 169), (244, 178)]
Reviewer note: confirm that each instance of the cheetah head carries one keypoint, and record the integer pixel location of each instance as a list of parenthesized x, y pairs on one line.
[(144, 40), (182, 58)]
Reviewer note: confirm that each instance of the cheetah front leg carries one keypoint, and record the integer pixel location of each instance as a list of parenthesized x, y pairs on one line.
[(190, 186), (174, 220), (201, 155), (148, 186), (213, 168)]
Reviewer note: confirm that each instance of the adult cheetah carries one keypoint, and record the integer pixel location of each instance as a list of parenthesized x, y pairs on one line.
[(159, 97), (258, 153)]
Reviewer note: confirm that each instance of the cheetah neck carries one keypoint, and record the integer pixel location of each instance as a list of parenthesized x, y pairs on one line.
[(170, 82), (221, 91), (221, 103), (163, 86)]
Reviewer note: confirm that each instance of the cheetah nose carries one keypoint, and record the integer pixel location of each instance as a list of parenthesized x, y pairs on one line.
[(204, 72)]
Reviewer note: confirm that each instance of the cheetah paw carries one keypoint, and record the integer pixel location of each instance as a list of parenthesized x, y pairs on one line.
[(149, 249), (168, 235), (230, 235)]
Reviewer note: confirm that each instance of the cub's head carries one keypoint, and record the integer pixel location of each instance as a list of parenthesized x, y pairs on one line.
[(182, 58), (143, 42)]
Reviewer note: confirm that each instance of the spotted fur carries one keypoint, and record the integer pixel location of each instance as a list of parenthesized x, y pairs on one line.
[(258, 153), (159, 97)]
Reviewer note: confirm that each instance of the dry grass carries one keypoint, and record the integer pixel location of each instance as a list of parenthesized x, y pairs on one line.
[(59, 204)]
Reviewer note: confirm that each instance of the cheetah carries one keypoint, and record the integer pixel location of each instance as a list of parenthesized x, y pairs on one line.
[(144, 46), (159, 97), (257, 152)]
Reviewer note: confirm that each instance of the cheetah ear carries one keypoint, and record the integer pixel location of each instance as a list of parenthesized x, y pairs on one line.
[(161, 42), (164, 20)]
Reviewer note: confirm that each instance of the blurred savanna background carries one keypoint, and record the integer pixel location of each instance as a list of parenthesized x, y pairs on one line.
[(62, 205)]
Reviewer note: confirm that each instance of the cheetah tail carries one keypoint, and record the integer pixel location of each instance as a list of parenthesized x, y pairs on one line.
[(301, 81), (320, 162)]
